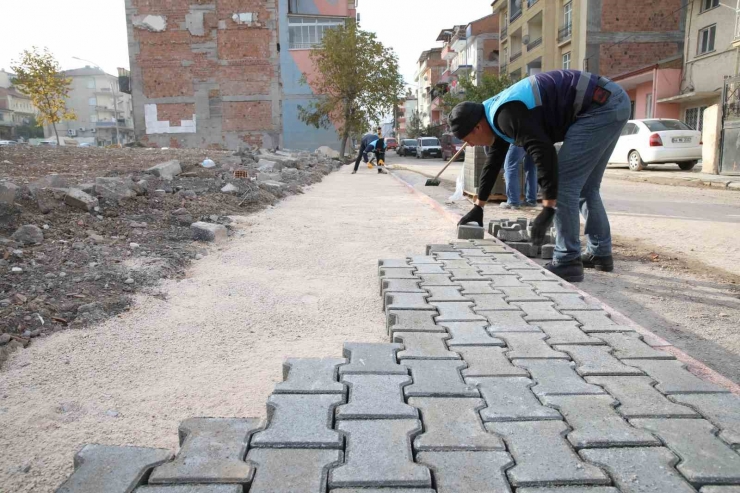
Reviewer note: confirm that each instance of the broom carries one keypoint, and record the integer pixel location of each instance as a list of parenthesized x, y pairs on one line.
[(434, 182)]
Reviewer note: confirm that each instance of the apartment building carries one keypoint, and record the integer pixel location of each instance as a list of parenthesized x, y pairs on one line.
[(430, 67), (16, 110), (405, 112), (470, 50)]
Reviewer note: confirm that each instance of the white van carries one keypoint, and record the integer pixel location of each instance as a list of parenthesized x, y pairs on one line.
[(428, 147)]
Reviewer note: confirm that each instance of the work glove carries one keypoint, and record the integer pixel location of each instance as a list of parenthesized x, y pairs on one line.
[(474, 216), (541, 225)]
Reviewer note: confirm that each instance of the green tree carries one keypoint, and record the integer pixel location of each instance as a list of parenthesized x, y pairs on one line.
[(30, 130), (356, 81), (489, 86), (415, 128), (39, 75)]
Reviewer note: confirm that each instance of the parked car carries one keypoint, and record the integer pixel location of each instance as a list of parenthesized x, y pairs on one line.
[(7, 143), (657, 140), (48, 143), (391, 143), (428, 147), (450, 145), (87, 144), (407, 148)]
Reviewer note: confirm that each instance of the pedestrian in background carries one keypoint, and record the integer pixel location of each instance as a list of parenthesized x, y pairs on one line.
[(511, 174)]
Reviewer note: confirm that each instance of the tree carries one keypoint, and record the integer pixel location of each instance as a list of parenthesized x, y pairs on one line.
[(39, 76), (415, 127), (30, 130), (489, 86), (356, 81)]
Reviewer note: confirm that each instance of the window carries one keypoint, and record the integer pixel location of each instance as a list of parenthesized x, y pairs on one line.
[(632, 110), (92, 102), (91, 83), (708, 4), (566, 61), (93, 118), (630, 129), (662, 125), (568, 14), (706, 39), (695, 117), (649, 105), (305, 32)]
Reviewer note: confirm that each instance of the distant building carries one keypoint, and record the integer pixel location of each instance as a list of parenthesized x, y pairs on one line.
[(16, 110), (406, 110), (6, 78), (429, 70)]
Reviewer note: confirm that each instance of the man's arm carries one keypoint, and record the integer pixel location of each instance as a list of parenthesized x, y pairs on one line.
[(491, 169)]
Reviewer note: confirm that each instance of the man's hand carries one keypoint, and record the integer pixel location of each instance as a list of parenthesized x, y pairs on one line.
[(474, 216), (541, 225)]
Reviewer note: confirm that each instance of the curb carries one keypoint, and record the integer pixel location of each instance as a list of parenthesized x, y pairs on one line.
[(729, 185)]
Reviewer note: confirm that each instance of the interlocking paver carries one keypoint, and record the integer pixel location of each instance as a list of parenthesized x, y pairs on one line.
[(487, 361), (376, 397), (570, 301), (674, 379), (112, 469), (477, 287), (456, 312), (566, 333), (511, 321), (491, 302), (596, 424), (372, 358), (705, 459), (508, 280), (436, 280), (532, 275), (439, 378), (640, 469), (429, 269), (543, 457), (407, 301), (492, 269), (473, 252), (456, 264), (397, 273), (300, 421), (191, 488), (596, 321), (557, 377), (453, 424), (439, 247), (411, 321), (569, 489), (597, 360), (400, 286), (521, 294), (495, 249), (450, 255), (446, 293), (525, 345), (470, 334), (468, 472), (541, 312), (424, 345), (393, 263), (721, 409), (482, 261), (720, 489), (311, 376), (638, 398), (378, 454), (212, 450), (290, 471), (469, 274), (423, 259), (383, 490), (511, 399), (550, 287), (629, 345)]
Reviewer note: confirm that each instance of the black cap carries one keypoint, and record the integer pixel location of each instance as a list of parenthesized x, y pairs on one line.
[(464, 117)]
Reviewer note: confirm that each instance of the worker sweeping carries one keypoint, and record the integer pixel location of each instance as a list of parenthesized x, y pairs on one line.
[(585, 112), (375, 146)]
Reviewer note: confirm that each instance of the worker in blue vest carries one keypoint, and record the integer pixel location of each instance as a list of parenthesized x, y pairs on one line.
[(370, 143), (583, 111)]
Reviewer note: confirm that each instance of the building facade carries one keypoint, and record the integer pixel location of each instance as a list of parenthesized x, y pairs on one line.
[(470, 50), (430, 67), (16, 110), (405, 111)]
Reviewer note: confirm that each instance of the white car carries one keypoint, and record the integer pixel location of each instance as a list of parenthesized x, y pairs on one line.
[(657, 140), (7, 143)]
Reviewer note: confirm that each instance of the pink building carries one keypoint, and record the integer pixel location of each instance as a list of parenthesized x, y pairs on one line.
[(649, 85)]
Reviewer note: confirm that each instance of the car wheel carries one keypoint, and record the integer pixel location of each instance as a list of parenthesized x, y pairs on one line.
[(635, 161), (687, 165)]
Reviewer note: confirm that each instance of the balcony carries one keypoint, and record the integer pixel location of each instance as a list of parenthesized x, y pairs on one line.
[(504, 32), (530, 3), (502, 69), (515, 56), (534, 44), (515, 15), (737, 28), (565, 32)]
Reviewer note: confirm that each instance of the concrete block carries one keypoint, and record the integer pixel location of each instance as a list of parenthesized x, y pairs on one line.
[(469, 472), (376, 397), (543, 457), (467, 274), (397, 273), (508, 321), (300, 421), (470, 334), (453, 424), (533, 275), (384, 490), (477, 287), (569, 489), (491, 269), (114, 189), (547, 251), (512, 233), (439, 247), (597, 321), (369, 358), (423, 259), (424, 345), (429, 269), (570, 301), (522, 221), (79, 200), (311, 376), (638, 398), (521, 295), (557, 377), (451, 254), (470, 232), (566, 333), (491, 302), (721, 409), (511, 399), (400, 286), (629, 345), (203, 231), (456, 312), (493, 226), (673, 378), (192, 488), (551, 286), (540, 312), (439, 294), (438, 378), (378, 454), (112, 469), (597, 360), (526, 248), (496, 248), (508, 280), (167, 170), (212, 450), (488, 361), (470, 251), (408, 301), (428, 280), (525, 345), (290, 471), (411, 321)]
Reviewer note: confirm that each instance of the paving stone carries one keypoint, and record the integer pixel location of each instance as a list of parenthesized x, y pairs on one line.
[(483, 261), (629, 345), (472, 252), (400, 286), (468, 274), (721, 409), (530, 346), (597, 321), (557, 377), (525, 248), (290, 471), (640, 469), (548, 251), (521, 294), (492, 269), (440, 378), (453, 424), (411, 321), (638, 398), (191, 488), (543, 457), (493, 226), (566, 333), (470, 231), (570, 301), (424, 345), (376, 397), (532, 275), (379, 359), (494, 249), (540, 312), (378, 454), (569, 489), (468, 472), (597, 360), (300, 421), (511, 399), (491, 302), (511, 235), (477, 287), (596, 424), (674, 379), (423, 259), (112, 469), (429, 269), (446, 294), (456, 312), (439, 247), (203, 231), (397, 273), (488, 361), (393, 263), (407, 301), (456, 264), (507, 280), (453, 254), (705, 459), (502, 321), (720, 489), (470, 334), (383, 490), (551, 287), (436, 280), (310, 376)]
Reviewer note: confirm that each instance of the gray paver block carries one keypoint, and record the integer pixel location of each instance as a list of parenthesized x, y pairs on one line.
[(596, 424), (507, 322), (470, 334), (543, 457), (597, 321), (472, 252), (448, 255), (497, 248), (491, 302), (383, 490), (300, 421), (569, 489), (456, 264), (487, 361), (468, 274), (566, 333), (674, 379), (400, 286), (557, 377), (629, 345), (514, 262), (477, 287), (570, 301), (511, 235), (393, 263), (525, 293), (532, 275), (470, 232), (453, 424), (492, 226), (423, 259), (397, 273), (378, 454), (638, 398), (439, 247), (112, 469), (429, 269), (379, 359), (507, 280), (705, 459), (720, 489), (548, 251), (491, 269), (290, 471), (407, 301), (311, 376), (469, 472), (438, 378), (456, 312), (446, 293), (203, 231), (511, 399), (436, 280), (551, 287), (411, 321), (376, 397), (721, 409), (541, 312), (597, 360), (525, 345), (192, 488), (424, 345), (526, 248)]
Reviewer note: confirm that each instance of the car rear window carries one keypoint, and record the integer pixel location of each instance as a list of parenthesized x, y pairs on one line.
[(409, 142), (662, 125), (429, 142)]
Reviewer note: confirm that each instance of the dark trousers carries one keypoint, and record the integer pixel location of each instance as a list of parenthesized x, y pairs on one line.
[(359, 157)]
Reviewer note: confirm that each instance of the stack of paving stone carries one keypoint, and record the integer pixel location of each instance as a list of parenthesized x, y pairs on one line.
[(498, 377), (516, 234)]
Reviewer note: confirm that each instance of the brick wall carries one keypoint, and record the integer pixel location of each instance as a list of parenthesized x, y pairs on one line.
[(247, 116), (631, 56), (640, 15), (175, 112)]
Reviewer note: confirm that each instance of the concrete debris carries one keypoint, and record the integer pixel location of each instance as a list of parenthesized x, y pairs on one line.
[(328, 152), (114, 189), (266, 166), (28, 235), (78, 199), (203, 231), (229, 188), (8, 192), (167, 170)]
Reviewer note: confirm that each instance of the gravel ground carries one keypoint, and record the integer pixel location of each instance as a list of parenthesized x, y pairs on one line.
[(298, 280)]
